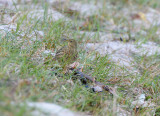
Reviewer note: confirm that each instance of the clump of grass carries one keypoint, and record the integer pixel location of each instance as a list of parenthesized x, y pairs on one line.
[(24, 76)]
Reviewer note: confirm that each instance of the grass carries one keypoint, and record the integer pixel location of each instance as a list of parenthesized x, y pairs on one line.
[(24, 76)]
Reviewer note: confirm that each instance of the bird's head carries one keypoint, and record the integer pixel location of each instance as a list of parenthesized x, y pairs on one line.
[(71, 42)]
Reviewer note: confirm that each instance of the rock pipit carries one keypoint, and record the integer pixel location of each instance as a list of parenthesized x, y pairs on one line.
[(67, 54)]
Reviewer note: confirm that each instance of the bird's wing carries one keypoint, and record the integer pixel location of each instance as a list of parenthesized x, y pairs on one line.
[(60, 52)]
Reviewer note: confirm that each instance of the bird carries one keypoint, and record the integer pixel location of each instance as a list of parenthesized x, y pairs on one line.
[(67, 54)]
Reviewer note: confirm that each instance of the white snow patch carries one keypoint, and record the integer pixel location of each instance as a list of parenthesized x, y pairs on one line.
[(7, 27), (85, 9), (142, 103), (153, 16), (50, 109), (120, 52), (40, 13), (47, 52)]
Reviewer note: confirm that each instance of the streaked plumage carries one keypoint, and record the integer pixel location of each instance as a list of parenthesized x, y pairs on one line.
[(67, 54)]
